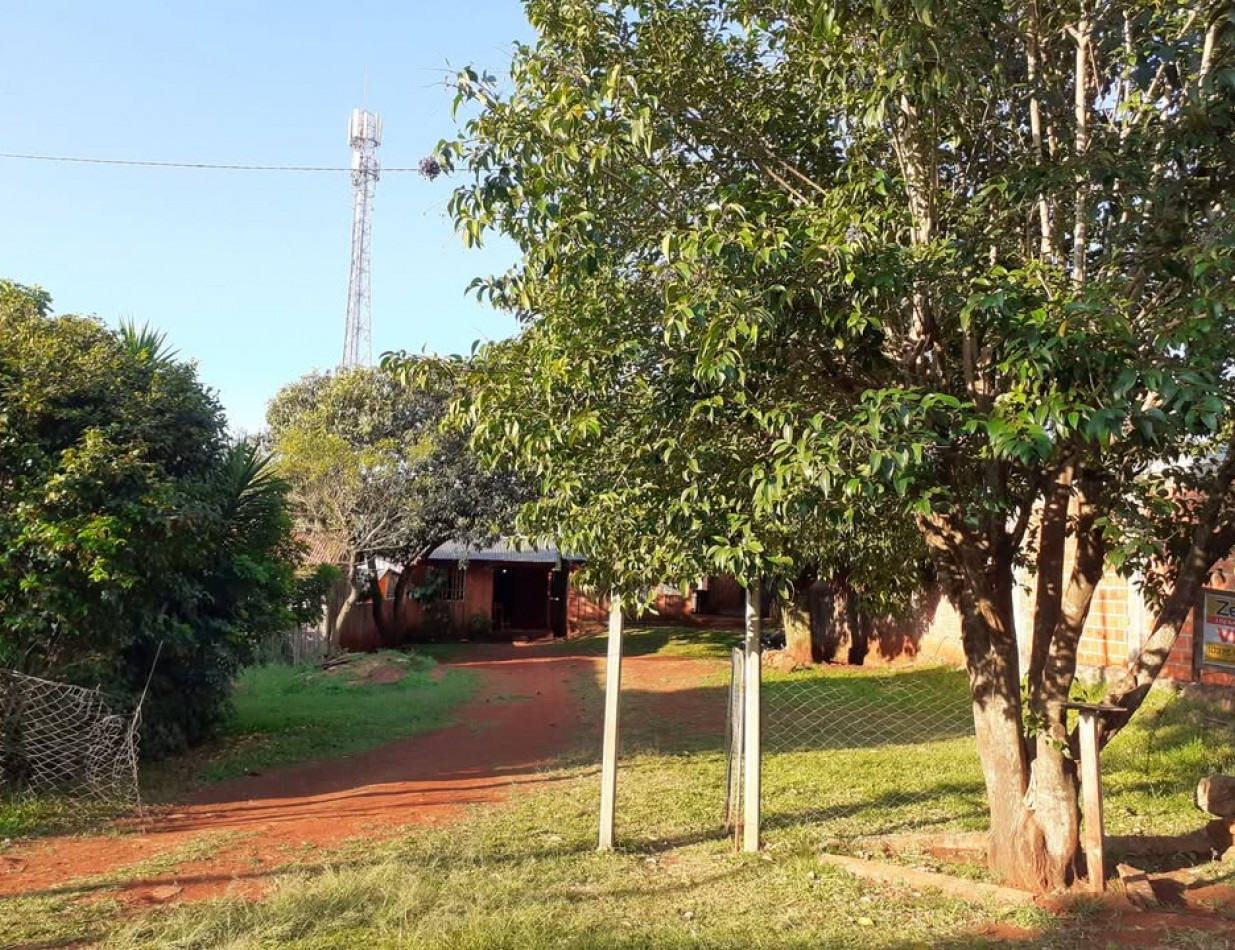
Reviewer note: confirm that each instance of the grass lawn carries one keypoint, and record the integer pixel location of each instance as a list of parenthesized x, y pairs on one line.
[(1150, 770), (287, 714), (526, 875), (28, 817)]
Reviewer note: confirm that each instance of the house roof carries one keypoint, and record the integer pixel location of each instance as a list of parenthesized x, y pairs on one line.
[(323, 548), (501, 550)]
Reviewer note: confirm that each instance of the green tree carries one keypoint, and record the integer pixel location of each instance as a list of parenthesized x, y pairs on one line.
[(370, 466), (972, 260), (129, 528)]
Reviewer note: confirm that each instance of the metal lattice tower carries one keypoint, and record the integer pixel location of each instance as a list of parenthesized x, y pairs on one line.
[(364, 134)]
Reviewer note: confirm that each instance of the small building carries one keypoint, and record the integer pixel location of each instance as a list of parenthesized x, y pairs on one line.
[(502, 590), (496, 592)]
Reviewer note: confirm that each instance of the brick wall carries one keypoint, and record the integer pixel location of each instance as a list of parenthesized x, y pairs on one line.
[(584, 611), (1107, 639), (587, 612), (1180, 665), (1119, 623), (476, 607)]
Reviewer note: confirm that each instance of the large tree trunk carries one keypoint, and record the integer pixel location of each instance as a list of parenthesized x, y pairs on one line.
[(823, 622), (852, 622), (1033, 806), (345, 611), (1031, 846), (1034, 835), (841, 628), (1018, 847), (399, 605), (800, 638)]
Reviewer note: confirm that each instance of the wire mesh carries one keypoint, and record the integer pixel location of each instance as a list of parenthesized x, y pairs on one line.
[(871, 751), (66, 740), (851, 752)]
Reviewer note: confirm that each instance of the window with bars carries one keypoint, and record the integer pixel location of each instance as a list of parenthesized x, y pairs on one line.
[(456, 582)]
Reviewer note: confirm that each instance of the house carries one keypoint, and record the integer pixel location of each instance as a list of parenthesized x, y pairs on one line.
[(718, 601), (503, 592), (463, 592)]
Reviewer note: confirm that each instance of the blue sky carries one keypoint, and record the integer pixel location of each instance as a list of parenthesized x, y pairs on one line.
[(246, 272)]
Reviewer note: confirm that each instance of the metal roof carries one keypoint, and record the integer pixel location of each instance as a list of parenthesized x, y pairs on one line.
[(499, 551)]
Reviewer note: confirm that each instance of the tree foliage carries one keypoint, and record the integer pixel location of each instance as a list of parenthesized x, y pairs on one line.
[(372, 469), (129, 526), (970, 264)]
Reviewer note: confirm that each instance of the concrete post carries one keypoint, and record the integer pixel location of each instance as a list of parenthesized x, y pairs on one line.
[(752, 753), (613, 689)]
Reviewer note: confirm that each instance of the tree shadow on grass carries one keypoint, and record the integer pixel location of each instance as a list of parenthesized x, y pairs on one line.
[(888, 812)]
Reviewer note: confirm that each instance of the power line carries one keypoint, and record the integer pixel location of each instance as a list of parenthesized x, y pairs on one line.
[(195, 165)]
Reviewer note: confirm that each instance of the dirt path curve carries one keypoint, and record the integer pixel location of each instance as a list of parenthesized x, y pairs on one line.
[(233, 834)]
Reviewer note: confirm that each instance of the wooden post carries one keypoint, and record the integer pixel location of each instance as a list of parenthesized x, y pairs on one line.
[(608, 761), (752, 738), (1091, 799)]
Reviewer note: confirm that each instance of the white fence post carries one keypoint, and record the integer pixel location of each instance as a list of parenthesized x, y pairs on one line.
[(752, 738), (613, 688)]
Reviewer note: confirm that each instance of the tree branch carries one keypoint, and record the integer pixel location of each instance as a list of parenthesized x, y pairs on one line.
[(1080, 228), (1211, 541)]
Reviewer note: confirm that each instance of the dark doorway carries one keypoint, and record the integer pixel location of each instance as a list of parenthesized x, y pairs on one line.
[(521, 595), (559, 585)]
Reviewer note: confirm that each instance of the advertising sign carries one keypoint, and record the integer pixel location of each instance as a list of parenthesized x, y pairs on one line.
[(1218, 639)]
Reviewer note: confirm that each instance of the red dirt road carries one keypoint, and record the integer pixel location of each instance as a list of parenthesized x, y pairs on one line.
[(525, 714)]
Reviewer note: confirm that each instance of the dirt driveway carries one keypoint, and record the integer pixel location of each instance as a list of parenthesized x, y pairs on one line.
[(524, 716), (531, 708)]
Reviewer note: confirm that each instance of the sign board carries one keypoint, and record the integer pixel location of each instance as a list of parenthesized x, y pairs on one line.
[(1218, 629)]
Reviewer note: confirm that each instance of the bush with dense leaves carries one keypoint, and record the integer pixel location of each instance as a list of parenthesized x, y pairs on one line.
[(130, 527)]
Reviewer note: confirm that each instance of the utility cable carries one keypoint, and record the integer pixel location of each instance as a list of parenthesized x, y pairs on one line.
[(195, 165)]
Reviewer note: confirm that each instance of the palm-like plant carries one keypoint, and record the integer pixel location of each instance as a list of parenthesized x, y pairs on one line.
[(252, 498), (146, 344)]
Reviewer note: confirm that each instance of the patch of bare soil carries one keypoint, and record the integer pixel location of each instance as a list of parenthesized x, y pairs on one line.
[(671, 697)]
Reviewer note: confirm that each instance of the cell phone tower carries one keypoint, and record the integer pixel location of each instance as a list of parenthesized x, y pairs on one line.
[(364, 134)]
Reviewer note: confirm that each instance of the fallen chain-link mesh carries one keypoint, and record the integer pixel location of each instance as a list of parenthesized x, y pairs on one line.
[(66, 740)]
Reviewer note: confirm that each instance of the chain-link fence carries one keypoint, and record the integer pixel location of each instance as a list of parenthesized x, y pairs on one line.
[(306, 644), (866, 751), (852, 752), (66, 740)]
